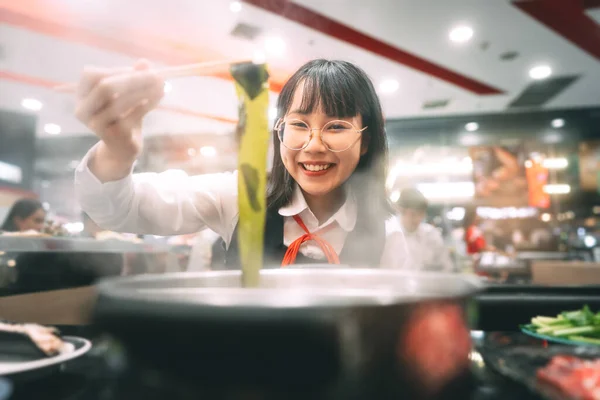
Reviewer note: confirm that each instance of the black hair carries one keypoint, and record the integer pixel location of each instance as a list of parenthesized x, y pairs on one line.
[(412, 198), (340, 89), (23, 209)]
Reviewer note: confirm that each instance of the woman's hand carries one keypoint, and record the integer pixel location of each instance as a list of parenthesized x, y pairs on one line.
[(112, 103)]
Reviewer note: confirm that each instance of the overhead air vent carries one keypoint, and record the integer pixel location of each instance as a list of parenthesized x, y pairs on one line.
[(509, 55), (540, 92), (432, 104), (246, 31)]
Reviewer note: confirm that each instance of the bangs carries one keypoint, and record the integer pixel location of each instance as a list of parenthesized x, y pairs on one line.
[(332, 88)]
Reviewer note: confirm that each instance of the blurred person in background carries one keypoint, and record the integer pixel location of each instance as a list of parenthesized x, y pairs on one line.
[(476, 242), (425, 244), (474, 238), (25, 215)]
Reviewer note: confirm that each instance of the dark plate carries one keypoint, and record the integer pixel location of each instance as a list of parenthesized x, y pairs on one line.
[(520, 362), (19, 368), (554, 339)]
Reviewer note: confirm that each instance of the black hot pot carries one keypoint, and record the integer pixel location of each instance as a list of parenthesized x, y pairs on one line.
[(306, 333)]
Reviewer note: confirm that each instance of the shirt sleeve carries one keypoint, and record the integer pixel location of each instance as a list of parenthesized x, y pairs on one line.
[(169, 203), (395, 252), (440, 251)]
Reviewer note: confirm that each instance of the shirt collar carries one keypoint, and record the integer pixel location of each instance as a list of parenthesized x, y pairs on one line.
[(416, 233), (345, 216)]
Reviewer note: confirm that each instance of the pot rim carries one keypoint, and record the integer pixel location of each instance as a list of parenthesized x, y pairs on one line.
[(179, 289)]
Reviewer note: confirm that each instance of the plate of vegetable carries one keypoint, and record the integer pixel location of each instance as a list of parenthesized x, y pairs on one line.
[(579, 327)]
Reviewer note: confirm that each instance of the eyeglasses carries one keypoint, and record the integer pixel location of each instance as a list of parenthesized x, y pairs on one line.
[(336, 135)]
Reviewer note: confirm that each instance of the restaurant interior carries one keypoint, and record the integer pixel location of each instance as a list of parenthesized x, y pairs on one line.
[(492, 113)]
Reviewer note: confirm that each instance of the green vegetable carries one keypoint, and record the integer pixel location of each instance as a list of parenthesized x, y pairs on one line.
[(579, 325), (580, 330), (253, 134), (585, 339), (580, 318), (552, 329)]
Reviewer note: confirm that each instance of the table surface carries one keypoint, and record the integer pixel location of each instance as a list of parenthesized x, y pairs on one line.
[(23, 244), (93, 377)]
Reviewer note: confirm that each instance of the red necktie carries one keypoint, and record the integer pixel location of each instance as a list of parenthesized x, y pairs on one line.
[(294, 247)]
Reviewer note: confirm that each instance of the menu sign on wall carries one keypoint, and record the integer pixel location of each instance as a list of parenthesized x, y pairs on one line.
[(589, 166), (537, 178), (499, 175)]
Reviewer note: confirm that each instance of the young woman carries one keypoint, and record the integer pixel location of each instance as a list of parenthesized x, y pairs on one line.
[(327, 179), (25, 215)]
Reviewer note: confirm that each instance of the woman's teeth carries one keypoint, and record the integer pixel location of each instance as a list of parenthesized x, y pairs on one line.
[(316, 168)]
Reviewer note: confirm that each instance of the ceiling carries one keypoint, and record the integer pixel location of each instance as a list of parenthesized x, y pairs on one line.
[(46, 42)]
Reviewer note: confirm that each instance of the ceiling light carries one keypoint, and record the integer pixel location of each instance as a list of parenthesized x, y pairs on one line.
[(546, 217), (235, 6), (555, 163), (528, 164), (191, 152), (395, 196), (590, 241), (557, 189), (506, 212), (388, 86), (472, 126), (168, 87), (434, 168), (52, 129), (558, 123), (275, 46), (447, 190), (461, 34), (456, 214), (32, 104), (540, 72), (208, 151)]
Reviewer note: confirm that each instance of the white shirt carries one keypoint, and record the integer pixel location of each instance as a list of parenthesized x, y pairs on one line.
[(426, 247), (201, 251), (173, 203)]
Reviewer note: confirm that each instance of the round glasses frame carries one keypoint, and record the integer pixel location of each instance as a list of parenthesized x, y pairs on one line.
[(281, 121)]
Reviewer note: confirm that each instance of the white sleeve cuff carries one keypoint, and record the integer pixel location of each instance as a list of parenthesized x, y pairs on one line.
[(101, 201)]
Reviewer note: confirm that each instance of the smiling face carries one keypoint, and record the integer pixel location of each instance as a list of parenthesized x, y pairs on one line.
[(322, 91), (317, 170)]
